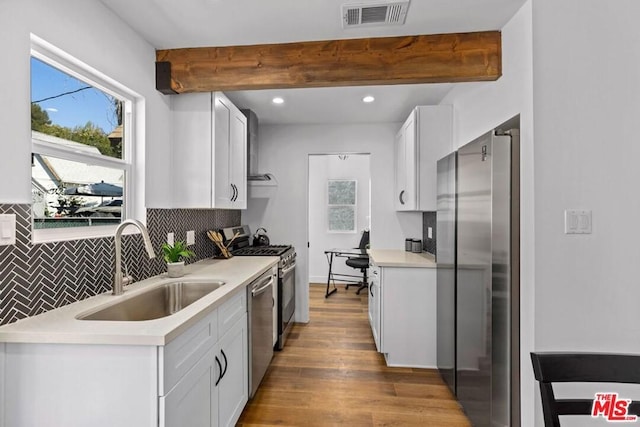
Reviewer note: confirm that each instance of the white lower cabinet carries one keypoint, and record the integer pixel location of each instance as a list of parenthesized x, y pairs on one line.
[(233, 380), (215, 390), (374, 304), (192, 401), (79, 385), (199, 379), (402, 313)]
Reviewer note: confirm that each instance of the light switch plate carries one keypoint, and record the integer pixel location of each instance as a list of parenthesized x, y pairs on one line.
[(577, 221), (191, 237), (170, 238), (7, 229), (430, 232)]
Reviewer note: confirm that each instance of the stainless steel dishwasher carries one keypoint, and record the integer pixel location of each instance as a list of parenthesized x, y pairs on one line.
[(260, 301)]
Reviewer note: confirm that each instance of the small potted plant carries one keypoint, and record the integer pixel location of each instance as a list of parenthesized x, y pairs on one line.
[(174, 255)]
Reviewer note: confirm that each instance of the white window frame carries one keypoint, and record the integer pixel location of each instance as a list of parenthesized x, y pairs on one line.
[(354, 206), (132, 161)]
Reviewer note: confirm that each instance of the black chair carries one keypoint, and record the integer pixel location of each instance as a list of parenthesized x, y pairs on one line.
[(361, 262), (581, 367)]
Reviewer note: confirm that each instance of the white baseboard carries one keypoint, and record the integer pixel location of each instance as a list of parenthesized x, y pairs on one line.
[(318, 279), (2, 384), (324, 282)]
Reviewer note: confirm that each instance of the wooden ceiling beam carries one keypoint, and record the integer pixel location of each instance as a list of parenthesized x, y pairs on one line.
[(440, 58)]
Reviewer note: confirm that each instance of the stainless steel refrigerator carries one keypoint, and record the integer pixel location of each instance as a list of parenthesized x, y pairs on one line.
[(446, 273), (478, 277)]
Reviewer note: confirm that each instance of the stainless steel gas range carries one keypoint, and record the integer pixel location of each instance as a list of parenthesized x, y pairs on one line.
[(286, 274)]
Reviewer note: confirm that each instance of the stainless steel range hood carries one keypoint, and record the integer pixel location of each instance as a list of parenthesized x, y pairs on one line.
[(259, 185), (252, 149), (266, 178)]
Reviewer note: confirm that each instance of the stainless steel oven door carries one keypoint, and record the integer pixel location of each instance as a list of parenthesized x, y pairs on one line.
[(286, 302)]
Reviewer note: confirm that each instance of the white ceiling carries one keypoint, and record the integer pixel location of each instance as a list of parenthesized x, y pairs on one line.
[(339, 105), (195, 23)]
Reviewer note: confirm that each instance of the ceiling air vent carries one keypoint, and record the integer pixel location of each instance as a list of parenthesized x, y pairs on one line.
[(377, 13)]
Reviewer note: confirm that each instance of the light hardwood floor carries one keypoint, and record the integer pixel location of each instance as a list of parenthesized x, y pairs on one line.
[(329, 374)]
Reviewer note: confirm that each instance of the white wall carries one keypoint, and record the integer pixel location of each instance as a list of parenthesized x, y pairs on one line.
[(284, 150), (91, 33), (480, 107), (587, 103), (2, 383), (321, 169)]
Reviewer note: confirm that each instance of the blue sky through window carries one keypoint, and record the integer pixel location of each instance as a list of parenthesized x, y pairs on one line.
[(71, 110)]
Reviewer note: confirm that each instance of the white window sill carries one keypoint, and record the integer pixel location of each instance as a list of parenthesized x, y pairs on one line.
[(51, 235)]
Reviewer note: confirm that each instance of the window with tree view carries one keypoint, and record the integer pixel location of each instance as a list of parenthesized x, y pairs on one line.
[(79, 157)]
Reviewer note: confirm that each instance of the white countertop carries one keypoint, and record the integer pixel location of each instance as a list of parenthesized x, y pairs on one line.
[(60, 326), (401, 258)]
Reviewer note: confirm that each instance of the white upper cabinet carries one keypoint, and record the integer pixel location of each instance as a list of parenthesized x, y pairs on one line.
[(424, 138), (209, 144), (238, 158)]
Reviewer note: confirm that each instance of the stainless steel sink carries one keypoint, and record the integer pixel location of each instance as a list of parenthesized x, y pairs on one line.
[(155, 303)]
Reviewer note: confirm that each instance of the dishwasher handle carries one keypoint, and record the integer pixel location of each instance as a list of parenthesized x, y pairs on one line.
[(262, 287), (288, 269)]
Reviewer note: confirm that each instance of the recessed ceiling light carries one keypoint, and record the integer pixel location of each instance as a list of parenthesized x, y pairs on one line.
[(277, 100), (368, 99)]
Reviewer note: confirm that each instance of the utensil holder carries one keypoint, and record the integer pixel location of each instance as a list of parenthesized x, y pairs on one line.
[(216, 238), (224, 253)]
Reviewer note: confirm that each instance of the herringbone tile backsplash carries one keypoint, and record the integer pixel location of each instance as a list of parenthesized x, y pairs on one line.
[(41, 277)]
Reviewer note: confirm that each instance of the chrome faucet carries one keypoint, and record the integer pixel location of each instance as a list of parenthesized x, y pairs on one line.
[(119, 280)]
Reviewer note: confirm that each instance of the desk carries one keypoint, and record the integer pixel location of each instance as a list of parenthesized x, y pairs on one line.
[(348, 278)]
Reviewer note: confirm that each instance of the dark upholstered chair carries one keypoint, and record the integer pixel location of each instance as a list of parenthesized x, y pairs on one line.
[(361, 262), (551, 368)]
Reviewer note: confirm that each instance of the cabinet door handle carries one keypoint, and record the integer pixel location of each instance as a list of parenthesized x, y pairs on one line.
[(220, 368), (233, 192), (400, 197), (371, 290), (226, 364)]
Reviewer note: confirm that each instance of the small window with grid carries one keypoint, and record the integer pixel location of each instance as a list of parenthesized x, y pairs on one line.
[(341, 206)]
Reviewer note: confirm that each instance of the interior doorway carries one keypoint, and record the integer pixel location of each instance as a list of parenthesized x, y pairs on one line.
[(339, 207)]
